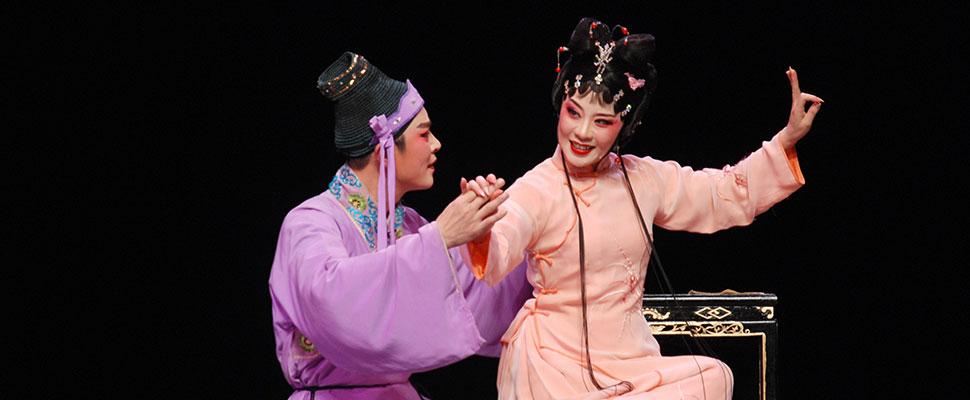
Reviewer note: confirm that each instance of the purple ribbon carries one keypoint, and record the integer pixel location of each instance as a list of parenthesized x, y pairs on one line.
[(384, 127)]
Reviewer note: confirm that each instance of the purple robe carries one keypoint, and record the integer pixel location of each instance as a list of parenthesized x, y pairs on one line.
[(345, 314)]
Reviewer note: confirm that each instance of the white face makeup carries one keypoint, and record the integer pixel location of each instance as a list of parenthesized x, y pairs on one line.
[(587, 130)]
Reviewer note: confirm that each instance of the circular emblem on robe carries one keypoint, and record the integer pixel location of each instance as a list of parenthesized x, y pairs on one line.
[(358, 201), (306, 345)]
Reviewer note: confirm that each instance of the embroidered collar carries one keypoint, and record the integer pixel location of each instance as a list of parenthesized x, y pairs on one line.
[(353, 196)]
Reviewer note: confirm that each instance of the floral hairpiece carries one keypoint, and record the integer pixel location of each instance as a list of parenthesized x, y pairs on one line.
[(634, 82), (604, 57)]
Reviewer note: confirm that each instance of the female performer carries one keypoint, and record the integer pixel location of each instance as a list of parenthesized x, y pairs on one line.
[(583, 219)]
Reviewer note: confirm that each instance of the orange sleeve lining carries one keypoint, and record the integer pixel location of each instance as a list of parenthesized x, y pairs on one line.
[(479, 255), (793, 163)]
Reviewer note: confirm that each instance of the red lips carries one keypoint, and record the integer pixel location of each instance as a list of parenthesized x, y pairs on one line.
[(572, 145)]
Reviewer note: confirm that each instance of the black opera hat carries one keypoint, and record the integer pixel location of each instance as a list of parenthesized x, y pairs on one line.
[(359, 91)]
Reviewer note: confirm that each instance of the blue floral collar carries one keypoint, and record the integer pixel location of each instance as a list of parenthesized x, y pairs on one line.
[(353, 196)]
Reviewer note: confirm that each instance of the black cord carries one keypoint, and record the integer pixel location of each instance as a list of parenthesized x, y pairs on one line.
[(582, 274), (662, 273), (582, 282)]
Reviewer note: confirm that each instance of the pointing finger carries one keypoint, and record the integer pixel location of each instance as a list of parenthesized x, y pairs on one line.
[(793, 78)]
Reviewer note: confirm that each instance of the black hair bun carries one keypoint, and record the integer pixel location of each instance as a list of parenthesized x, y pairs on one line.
[(582, 44), (636, 50)]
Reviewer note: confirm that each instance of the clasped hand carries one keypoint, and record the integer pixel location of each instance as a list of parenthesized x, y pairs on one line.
[(473, 213)]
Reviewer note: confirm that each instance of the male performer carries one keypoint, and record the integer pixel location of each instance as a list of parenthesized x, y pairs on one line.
[(365, 291)]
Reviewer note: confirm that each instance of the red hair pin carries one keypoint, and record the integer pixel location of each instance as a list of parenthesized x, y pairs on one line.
[(561, 49)]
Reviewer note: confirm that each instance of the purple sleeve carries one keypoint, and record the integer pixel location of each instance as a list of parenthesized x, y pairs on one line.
[(396, 310)]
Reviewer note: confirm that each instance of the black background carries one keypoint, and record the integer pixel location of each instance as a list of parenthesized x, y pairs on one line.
[(170, 141)]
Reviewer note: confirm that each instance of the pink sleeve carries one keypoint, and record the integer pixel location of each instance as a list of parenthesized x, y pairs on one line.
[(713, 199), (505, 248)]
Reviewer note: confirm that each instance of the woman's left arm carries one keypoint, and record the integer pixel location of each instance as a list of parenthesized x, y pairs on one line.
[(710, 199)]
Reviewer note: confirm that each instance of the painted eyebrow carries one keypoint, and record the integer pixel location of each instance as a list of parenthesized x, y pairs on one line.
[(424, 125), (573, 102)]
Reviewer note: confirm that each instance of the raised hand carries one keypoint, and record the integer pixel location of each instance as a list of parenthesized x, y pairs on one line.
[(800, 120), (471, 216)]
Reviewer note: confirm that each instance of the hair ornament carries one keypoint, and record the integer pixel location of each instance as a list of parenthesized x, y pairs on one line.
[(617, 96), (604, 57), (561, 49), (626, 111), (634, 82), (591, 27), (578, 79)]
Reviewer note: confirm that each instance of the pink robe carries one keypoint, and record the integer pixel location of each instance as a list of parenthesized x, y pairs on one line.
[(347, 315), (542, 354)]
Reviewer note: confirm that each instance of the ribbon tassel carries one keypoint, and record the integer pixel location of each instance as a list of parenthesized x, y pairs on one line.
[(409, 106), (387, 181)]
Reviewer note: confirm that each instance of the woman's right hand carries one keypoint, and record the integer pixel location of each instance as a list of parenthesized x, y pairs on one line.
[(471, 216)]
